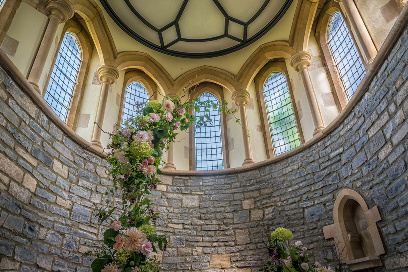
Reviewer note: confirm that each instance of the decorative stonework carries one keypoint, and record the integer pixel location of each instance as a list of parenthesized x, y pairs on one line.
[(108, 74), (356, 236), (241, 97), (301, 60), (60, 9)]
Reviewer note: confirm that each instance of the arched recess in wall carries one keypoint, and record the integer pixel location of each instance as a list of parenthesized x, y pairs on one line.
[(74, 27), (217, 91), (202, 74), (258, 59), (149, 66), (321, 35), (97, 29), (136, 76), (276, 66)]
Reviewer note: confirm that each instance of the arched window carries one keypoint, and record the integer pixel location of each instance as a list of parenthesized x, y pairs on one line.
[(345, 55), (208, 139), (1, 2), (64, 76), (281, 117), (136, 97)]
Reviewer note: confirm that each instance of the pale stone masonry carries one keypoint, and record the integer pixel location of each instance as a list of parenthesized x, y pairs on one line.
[(50, 186)]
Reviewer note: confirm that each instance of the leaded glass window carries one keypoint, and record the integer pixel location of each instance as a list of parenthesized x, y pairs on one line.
[(281, 117), (1, 2), (64, 76), (136, 97), (208, 138), (345, 55)]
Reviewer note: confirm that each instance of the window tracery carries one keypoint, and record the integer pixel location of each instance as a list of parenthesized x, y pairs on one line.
[(281, 116), (208, 139), (64, 76), (136, 97), (344, 52)]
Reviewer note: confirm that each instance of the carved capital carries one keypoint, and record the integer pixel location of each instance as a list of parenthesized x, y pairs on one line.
[(401, 3), (241, 97), (301, 60), (108, 74), (60, 9)]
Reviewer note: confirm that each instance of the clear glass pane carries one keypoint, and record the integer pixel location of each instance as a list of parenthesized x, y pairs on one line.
[(281, 117), (1, 2), (64, 76), (345, 55), (136, 97), (208, 138)]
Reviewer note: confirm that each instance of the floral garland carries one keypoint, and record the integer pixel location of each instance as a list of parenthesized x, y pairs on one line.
[(135, 157), (289, 257)]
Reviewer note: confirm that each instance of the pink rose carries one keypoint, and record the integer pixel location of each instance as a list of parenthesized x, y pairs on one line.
[(169, 116), (298, 243), (287, 263), (177, 125), (182, 111), (145, 163), (142, 136), (147, 248), (305, 266), (304, 248), (301, 255), (135, 269), (168, 105), (126, 132), (154, 117), (150, 159), (118, 238), (164, 141), (116, 225)]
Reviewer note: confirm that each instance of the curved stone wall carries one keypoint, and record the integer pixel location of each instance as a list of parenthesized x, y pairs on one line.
[(50, 185)]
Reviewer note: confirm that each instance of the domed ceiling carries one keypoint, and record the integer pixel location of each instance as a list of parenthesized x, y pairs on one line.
[(196, 28)]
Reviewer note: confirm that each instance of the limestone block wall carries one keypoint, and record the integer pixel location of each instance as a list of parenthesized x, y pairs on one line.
[(50, 186)]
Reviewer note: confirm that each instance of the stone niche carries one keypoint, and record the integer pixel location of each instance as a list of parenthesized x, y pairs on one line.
[(356, 236)]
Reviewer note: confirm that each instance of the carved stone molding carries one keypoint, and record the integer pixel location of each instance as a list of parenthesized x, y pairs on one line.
[(241, 97), (60, 9), (108, 74), (301, 60)]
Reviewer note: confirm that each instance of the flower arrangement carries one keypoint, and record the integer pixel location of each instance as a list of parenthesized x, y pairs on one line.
[(135, 157), (288, 256)]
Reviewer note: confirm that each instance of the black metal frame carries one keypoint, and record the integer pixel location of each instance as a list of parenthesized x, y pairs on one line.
[(164, 48), (137, 101)]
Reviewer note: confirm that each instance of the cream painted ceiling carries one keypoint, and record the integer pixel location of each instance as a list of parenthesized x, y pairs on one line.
[(196, 28)]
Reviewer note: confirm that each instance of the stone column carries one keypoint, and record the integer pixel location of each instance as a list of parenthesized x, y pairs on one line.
[(301, 61), (241, 98), (170, 165), (361, 31), (59, 12), (108, 75)]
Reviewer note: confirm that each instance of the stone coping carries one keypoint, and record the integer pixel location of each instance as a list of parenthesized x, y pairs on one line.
[(382, 55)]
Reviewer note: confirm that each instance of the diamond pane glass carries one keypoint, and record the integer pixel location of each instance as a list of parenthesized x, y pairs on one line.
[(208, 141), (136, 97), (64, 76), (281, 117), (345, 55), (1, 2)]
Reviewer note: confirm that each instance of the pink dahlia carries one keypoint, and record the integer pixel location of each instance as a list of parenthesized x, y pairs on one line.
[(145, 163), (150, 159), (142, 136), (126, 132), (169, 116), (168, 105), (147, 248), (134, 240), (149, 170), (110, 268), (120, 156), (116, 225), (154, 117)]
